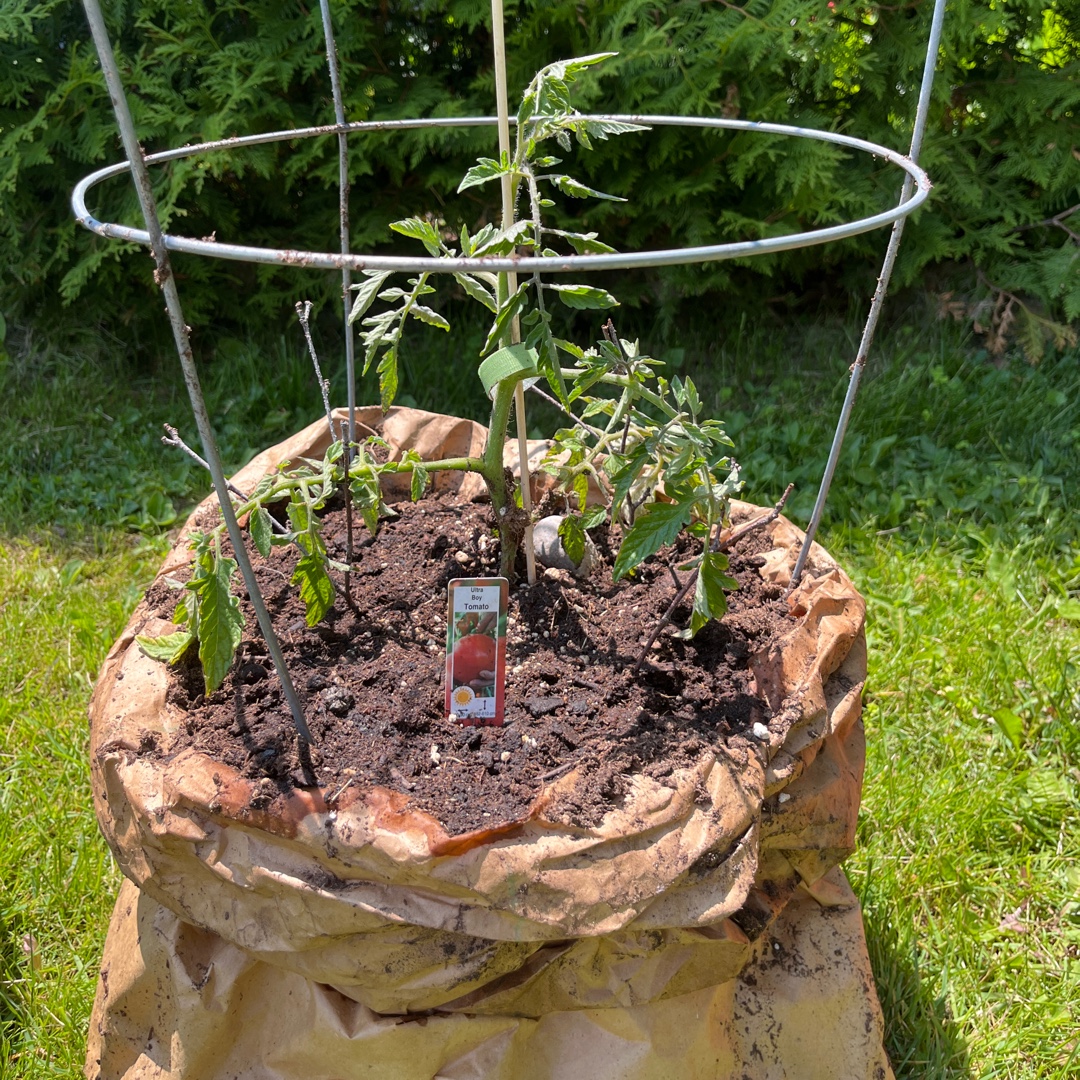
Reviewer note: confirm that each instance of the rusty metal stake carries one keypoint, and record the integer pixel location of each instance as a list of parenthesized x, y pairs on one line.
[(163, 275)]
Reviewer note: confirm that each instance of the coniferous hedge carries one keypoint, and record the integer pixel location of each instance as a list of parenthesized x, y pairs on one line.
[(1003, 144)]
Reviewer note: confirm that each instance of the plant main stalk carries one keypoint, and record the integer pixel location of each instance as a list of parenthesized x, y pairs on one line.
[(509, 517)]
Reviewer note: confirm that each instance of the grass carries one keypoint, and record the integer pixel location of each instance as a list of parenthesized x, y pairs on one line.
[(953, 510), (60, 609)]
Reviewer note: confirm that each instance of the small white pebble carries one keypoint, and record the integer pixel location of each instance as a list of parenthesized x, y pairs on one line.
[(435, 755), (505, 755), (529, 741), (547, 634), (516, 669), (453, 718), (776, 946), (784, 797), (462, 557), (760, 732)]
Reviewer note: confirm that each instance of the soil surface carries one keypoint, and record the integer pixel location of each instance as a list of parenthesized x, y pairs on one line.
[(372, 680)]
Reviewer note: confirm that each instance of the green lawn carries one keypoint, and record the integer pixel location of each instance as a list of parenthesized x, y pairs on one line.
[(954, 511)]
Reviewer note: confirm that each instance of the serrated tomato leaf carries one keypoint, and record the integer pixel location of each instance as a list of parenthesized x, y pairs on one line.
[(262, 531), (366, 291), (506, 314), (221, 623), (584, 297), (316, 587), (654, 527), (168, 647), (484, 170), (419, 482), (572, 535), (429, 316), (710, 601), (477, 291), (577, 190), (418, 229)]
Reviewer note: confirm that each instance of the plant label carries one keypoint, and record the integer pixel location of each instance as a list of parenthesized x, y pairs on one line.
[(476, 650)]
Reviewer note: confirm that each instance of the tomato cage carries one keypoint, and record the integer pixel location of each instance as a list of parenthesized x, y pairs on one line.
[(914, 193)]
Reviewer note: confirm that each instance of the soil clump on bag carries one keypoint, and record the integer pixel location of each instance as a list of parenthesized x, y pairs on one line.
[(372, 680)]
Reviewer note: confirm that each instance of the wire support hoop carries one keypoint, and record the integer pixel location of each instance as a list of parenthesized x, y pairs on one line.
[(543, 264)]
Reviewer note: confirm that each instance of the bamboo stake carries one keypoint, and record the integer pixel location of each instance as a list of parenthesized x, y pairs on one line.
[(503, 112)]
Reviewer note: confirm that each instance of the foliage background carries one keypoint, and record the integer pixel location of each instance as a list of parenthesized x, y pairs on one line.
[(1003, 144)]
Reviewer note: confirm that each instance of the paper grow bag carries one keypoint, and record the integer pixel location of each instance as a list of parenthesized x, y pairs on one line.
[(702, 928)]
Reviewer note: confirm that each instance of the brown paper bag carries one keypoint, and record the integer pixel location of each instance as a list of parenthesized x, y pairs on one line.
[(299, 941)]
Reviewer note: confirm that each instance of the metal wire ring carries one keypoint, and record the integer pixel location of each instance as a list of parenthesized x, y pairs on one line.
[(548, 264)]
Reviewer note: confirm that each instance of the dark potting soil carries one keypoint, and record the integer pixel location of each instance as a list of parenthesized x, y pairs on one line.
[(372, 681)]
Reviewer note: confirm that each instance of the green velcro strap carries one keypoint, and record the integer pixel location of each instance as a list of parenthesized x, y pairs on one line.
[(514, 362)]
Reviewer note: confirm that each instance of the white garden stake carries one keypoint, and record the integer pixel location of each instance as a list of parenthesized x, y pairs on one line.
[(503, 111)]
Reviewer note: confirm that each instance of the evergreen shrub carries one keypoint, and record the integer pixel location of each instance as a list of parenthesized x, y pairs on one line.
[(1003, 144)]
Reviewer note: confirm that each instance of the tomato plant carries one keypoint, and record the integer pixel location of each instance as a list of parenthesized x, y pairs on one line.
[(635, 432)]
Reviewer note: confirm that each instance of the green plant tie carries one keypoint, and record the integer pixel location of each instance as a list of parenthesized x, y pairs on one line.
[(512, 362)]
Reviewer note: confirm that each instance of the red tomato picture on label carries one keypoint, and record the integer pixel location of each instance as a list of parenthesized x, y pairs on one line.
[(472, 655)]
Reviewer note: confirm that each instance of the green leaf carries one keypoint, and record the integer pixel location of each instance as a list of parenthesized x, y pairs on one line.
[(593, 516), (370, 513), (426, 315), (604, 129), (1069, 609), (168, 647), (584, 297), (299, 512), (577, 190), (506, 315), (624, 471), (583, 383), (568, 70), (581, 489), (366, 292), (569, 348), (187, 611), (660, 524), (316, 588), (1049, 788), (418, 229), (419, 482), (1012, 727), (378, 335), (710, 601), (388, 378), (262, 532), (221, 623), (583, 243), (504, 241), (484, 170), (572, 535), (477, 291)]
